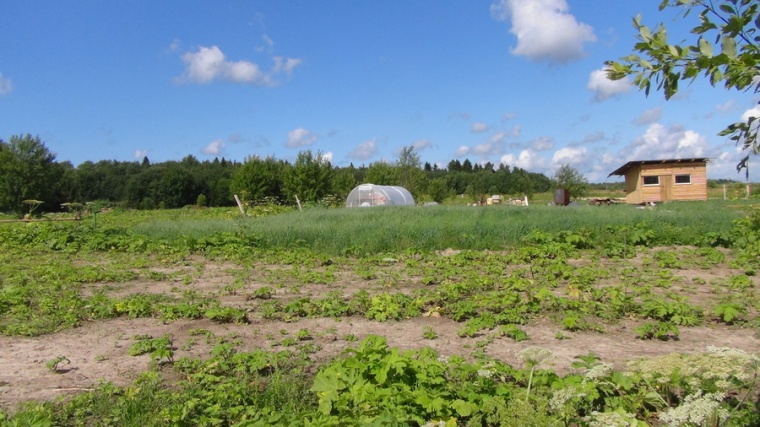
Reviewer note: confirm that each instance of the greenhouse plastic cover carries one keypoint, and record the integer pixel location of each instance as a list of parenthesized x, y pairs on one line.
[(379, 195)]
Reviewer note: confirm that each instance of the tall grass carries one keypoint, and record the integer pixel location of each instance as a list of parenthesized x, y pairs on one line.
[(395, 229)]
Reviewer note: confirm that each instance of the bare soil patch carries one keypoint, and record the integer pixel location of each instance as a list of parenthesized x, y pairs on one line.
[(98, 351)]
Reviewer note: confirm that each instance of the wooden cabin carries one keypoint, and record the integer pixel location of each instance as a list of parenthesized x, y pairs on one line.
[(664, 180)]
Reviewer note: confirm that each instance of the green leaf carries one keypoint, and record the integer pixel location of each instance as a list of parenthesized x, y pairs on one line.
[(716, 76), (728, 47), (705, 48), (728, 9), (645, 33), (327, 381), (464, 409)]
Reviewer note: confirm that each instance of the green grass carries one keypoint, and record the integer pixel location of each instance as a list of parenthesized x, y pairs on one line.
[(397, 229), (45, 270)]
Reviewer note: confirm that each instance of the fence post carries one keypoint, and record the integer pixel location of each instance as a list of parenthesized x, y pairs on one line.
[(240, 205)]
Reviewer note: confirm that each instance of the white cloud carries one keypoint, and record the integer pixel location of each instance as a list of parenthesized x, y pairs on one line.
[(725, 107), (508, 116), (267, 44), (478, 127), (599, 169), (300, 138), (594, 137), (175, 45), (544, 29), (139, 154), (6, 85), (209, 64), (498, 137), (752, 112), (488, 149), (660, 142), (604, 88), (462, 151), (542, 144), (364, 151), (235, 138), (569, 156), (214, 147), (422, 144), (328, 156), (527, 159), (723, 165), (502, 135), (648, 117), (285, 65)]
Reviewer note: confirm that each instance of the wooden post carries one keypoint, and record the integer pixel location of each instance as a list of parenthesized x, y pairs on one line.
[(724, 191), (240, 205), (299, 204), (747, 197)]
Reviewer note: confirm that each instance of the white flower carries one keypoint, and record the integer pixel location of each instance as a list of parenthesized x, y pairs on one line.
[(561, 396), (485, 373), (611, 419), (598, 371), (695, 409), (534, 356)]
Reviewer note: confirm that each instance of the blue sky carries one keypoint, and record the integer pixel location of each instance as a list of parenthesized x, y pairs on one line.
[(518, 82)]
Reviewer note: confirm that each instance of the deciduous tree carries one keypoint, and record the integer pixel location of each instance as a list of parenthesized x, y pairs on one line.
[(572, 180), (410, 173), (438, 190), (381, 173), (27, 171), (309, 178), (725, 50), (258, 178)]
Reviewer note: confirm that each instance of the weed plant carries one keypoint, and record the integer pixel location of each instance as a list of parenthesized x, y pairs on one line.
[(395, 229), (566, 264), (374, 384)]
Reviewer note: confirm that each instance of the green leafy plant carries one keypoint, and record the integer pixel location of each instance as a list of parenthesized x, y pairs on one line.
[(226, 315), (303, 335), (429, 333), (514, 332), (729, 312), (264, 292), (160, 349), (55, 364), (657, 330)]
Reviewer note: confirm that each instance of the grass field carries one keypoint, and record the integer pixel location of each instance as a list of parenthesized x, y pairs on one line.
[(361, 231), (421, 316)]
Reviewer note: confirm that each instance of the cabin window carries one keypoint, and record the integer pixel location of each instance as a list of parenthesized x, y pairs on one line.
[(651, 180), (683, 179)]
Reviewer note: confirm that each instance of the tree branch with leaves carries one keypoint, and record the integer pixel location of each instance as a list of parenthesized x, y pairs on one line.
[(726, 51)]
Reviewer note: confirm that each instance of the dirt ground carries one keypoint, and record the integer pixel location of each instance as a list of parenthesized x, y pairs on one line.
[(98, 351)]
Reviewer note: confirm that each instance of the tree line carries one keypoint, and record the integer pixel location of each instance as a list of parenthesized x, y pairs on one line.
[(29, 171)]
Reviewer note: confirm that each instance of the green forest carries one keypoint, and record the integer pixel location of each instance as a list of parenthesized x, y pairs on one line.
[(29, 171)]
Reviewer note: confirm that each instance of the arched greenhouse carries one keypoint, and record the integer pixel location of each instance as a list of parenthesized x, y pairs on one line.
[(379, 195)]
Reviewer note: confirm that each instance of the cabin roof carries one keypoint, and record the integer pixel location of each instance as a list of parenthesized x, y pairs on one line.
[(623, 169)]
